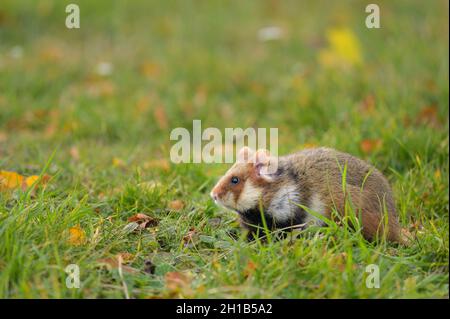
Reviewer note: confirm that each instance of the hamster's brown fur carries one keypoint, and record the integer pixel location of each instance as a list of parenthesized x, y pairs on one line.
[(313, 178)]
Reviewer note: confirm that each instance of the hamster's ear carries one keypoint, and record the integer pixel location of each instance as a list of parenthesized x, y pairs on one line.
[(265, 164), (245, 155)]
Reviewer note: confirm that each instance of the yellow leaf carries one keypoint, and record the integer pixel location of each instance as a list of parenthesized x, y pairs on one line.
[(29, 181), (176, 205), (437, 174), (344, 49), (77, 236), (10, 180), (117, 162), (309, 145)]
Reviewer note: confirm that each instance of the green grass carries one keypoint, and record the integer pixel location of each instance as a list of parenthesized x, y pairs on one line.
[(203, 60)]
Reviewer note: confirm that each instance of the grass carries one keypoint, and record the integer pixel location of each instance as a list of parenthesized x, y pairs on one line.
[(104, 139)]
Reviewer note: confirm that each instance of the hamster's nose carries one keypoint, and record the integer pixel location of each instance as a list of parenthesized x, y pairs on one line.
[(213, 196)]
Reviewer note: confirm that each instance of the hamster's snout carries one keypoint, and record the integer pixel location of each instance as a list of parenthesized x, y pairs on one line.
[(213, 195)]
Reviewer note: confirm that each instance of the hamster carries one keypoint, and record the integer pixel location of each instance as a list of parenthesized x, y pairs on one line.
[(259, 183)]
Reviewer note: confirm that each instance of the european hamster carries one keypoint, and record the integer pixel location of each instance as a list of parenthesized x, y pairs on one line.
[(313, 178)]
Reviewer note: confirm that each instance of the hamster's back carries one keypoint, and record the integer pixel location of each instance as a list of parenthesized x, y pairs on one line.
[(367, 189)]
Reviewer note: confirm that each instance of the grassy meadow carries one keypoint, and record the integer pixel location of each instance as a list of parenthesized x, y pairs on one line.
[(85, 120)]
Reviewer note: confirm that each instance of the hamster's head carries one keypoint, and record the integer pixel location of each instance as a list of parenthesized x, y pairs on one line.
[(243, 185)]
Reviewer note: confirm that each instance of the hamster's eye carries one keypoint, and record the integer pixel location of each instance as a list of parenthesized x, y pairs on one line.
[(234, 180)]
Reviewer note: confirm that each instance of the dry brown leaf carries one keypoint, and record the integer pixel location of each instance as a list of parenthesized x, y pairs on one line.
[(30, 180), (249, 268), (190, 235), (177, 282), (77, 236), (370, 145), (428, 115), (143, 220), (176, 205), (126, 257)]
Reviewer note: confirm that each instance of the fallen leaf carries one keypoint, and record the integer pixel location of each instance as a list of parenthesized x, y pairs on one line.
[(29, 181), (249, 268), (437, 174), (177, 282), (117, 162), (162, 164), (407, 236), (10, 180), (428, 115), (176, 205), (370, 145), (161, 117), (343, 49), (113, 263), (309, 145), (77, 236), (143, 220), (74, 153), (126, 257), (13, 180), (190, 236)]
